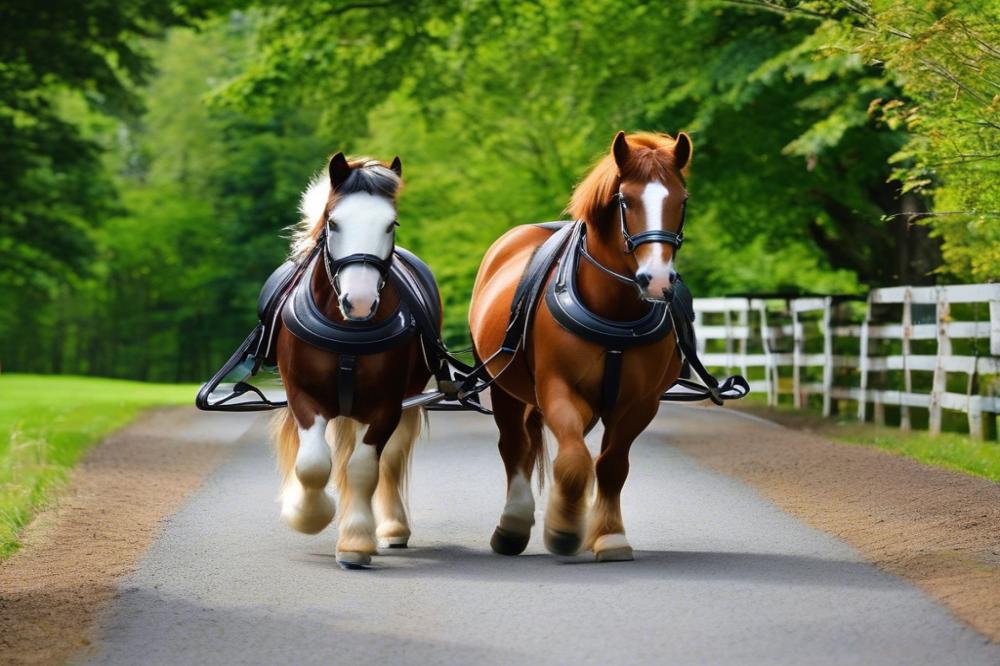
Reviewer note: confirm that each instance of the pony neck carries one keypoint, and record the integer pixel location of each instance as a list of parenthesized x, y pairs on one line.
[(602, 294), (326, 299)]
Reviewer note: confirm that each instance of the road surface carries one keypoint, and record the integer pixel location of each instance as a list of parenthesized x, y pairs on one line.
[(721, 576)]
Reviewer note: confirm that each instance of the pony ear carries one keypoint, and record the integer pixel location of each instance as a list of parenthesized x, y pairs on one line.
[(682, 151), (397, 166), (620, 149), (340, 170)]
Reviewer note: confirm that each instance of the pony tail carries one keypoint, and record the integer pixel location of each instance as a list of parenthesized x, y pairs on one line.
[(285, 433)]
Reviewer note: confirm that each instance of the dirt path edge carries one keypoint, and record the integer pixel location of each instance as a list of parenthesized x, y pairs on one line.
[(936, 528), (54, 588)]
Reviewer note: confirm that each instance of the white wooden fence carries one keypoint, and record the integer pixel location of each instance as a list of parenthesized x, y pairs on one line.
[(768, 335)]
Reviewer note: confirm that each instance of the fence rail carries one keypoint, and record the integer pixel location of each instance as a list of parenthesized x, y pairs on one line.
[(770, 335)]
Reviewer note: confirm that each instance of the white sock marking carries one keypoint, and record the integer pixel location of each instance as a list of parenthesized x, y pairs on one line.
[(520, 500), (312, 463)]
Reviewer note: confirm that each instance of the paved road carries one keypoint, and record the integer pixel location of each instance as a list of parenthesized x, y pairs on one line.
[(721, 576)]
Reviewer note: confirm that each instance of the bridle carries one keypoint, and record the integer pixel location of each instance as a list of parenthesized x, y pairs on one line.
[(334, 266), (632, 242)]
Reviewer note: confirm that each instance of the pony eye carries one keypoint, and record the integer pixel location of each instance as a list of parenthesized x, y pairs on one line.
[(392, 225)]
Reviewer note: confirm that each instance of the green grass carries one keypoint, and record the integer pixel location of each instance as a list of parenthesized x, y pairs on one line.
[(954, 451), (951, 450), (47, 423)]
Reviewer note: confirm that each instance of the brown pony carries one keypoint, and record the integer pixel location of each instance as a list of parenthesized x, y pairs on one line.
[(555, 377), (355, 202)]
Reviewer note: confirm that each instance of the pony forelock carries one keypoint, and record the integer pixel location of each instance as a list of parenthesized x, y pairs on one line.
[(367, 175)]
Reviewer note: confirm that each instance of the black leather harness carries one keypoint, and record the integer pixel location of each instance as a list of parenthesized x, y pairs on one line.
[(288, 294)]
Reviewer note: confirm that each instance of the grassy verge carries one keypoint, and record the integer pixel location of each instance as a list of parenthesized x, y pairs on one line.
[(950, 450), (48, 422)]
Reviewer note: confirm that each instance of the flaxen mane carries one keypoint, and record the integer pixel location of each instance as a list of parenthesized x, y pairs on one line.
[(651, 156), (367, 175)]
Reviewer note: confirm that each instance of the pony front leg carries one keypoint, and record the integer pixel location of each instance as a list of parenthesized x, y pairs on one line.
[(567, 415), (605, 528), (304, 460), (390, 495), (357, 477)]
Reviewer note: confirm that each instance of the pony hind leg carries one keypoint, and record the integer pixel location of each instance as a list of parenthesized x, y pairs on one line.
[(304, 462), (390, 495), (521, 445)]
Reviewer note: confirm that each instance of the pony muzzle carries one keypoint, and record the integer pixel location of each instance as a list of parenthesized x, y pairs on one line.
[(352, 312), (358, 290), (656, 283)]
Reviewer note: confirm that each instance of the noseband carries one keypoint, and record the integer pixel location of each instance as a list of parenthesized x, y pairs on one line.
[(634, 241)]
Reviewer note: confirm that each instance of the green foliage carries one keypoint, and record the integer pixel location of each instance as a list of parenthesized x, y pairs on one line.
[(205, 195), (134, 244), (52, 56), (944, 57), (48, 423)]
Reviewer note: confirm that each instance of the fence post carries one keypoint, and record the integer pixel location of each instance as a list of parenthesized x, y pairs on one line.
[(995, 328), (940, 382), (827, 355), (904, 409), (743, 320), (728, 326), (797, 342), (770, 372), (863, 362)]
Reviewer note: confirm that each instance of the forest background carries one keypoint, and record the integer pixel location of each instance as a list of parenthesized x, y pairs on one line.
[(154, 152)]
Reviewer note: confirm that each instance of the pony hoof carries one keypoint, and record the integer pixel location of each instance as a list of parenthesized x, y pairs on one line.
[(393, 534), (561, 543), (395, 542), (505, 542), (613, 548), (349, 560)]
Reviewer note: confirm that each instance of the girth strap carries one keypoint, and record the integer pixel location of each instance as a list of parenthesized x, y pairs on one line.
[(345, 383), (611, 383)]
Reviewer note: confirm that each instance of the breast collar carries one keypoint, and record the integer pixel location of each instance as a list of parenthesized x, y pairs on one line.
[(306, 321), (566, 306)]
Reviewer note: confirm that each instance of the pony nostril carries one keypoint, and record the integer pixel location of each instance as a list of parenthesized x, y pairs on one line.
[(345, 304), (673, 277), (643, 279)]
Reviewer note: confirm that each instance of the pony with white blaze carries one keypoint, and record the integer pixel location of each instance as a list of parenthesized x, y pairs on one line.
[(612, 268), (359, 436)]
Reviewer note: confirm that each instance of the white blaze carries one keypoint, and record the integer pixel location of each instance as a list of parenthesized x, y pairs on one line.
[(362, 226), (653, 197)]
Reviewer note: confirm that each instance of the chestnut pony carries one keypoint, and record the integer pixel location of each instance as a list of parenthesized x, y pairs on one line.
[(355, 204), (555, 377)]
